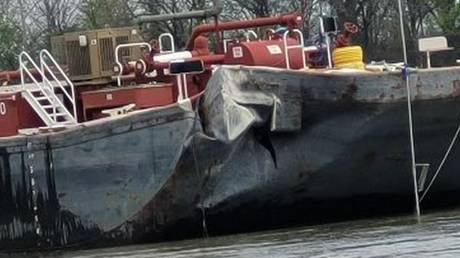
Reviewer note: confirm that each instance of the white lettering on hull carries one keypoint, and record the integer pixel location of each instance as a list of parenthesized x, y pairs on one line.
[(2, 109)]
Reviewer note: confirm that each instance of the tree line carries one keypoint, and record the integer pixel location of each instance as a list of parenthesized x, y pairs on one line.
[(28, 24)]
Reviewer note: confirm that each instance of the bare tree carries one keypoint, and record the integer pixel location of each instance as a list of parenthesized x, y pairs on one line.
[(44, 18), (53, 16), (96, 14), (258, 8), (10, 42), (181, 29), (5, 8)]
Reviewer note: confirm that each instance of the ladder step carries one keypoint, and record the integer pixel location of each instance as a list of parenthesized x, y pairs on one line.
[(61, 115), (49, 106), (58, 114), (41, 98), (39, 91)]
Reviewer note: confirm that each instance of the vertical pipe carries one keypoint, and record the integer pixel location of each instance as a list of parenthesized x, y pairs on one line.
[(180, 95), (428, 59), (185, 85), (409, 108), (218, 36), (329, 55), (328, 43)]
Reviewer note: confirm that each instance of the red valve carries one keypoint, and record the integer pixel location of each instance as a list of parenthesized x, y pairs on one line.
[(344, 39)]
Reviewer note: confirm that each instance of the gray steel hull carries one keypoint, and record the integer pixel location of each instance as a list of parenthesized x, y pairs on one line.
[(268, 149), (73, 188)]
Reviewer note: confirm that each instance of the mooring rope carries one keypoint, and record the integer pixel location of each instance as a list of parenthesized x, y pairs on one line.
[(446, 155)]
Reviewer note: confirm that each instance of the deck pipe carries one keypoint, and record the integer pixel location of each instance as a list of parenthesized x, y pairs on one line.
[(212, 12), (292, 21)]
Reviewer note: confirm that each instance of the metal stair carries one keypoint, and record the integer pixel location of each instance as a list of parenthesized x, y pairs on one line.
[(42, 96)]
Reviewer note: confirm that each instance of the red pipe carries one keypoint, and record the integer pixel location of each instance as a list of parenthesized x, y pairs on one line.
[(290, 20), (10, 75), (16, 75)]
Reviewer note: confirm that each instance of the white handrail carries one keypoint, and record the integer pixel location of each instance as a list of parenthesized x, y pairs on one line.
[(23, 68), (117, 59), (225, 43), (272, 32), (171, 39), (287, 48), (45, 54), (47, 89), (249, 33)]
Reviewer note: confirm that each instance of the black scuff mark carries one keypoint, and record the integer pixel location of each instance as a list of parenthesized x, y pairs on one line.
[(51, 221), (52, 194), (262, 136), (24, 198)]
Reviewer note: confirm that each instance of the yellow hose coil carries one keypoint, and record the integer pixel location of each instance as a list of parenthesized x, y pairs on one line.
[(355, 65), (348, 57)]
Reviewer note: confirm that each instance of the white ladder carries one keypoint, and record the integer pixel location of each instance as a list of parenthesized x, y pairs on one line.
[(41, 96)]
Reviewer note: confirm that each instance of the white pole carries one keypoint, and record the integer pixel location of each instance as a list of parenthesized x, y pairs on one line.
[(409, 108), (329, 55), (428, 59), (328, 44)]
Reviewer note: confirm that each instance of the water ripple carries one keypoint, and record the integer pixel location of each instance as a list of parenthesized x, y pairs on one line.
[(437, 236)]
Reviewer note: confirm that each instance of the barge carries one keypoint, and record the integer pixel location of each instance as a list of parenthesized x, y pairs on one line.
[(186, 143)]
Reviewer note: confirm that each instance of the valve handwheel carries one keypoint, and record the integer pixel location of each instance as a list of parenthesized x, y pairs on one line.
[(344, 38), (351, 28), (155, 46)]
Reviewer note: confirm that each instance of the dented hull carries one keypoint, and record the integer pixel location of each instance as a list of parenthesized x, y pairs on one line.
[(265, 148)]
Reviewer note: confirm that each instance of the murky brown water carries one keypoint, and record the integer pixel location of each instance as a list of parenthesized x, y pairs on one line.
[(438, 235)]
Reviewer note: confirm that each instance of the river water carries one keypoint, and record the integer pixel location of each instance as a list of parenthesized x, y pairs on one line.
[(438, 235)]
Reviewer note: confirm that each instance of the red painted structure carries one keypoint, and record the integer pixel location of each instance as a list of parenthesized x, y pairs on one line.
[(15, 114), (161, 89), (144, 96), (292, 21), (16, 75), (344, 39)]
